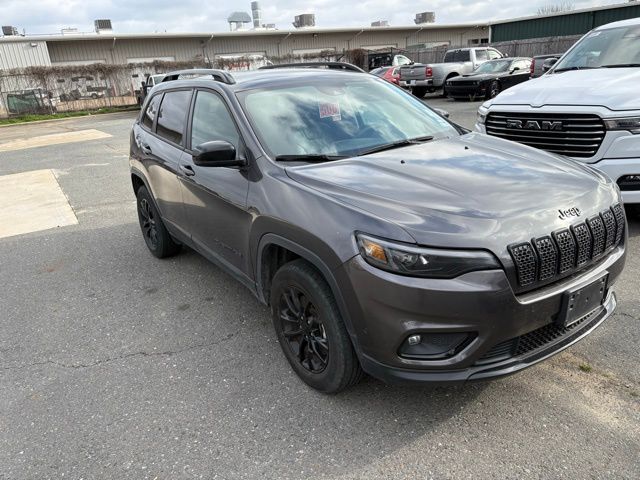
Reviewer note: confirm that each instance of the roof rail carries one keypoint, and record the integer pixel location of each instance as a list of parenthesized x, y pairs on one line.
[(328, 65), (218, 75)]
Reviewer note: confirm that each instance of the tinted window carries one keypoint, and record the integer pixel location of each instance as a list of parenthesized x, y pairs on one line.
[(212, 120), (151, 112), (457, 56), (173, 113), (522, 65)]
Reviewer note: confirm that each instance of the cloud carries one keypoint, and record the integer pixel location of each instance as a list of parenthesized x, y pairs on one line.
[(49, 16)]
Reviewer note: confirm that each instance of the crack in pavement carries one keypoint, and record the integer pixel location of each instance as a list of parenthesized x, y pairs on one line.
[(121, 357)]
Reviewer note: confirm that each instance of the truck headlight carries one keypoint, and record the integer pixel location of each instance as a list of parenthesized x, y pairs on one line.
[(482, 115), (631, 124), (415, 261)]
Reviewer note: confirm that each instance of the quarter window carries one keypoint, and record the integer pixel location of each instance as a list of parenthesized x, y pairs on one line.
[(151, 112), (212, 121), (172, 115)]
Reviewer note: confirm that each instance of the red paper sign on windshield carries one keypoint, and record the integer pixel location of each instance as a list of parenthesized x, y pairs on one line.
[(329, 110)]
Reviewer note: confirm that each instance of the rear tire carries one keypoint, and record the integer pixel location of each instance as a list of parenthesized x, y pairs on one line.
[(310, 329), (155, 234), (419, 91)]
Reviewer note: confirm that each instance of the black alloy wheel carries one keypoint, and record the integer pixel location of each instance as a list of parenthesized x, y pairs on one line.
[(303, 329)]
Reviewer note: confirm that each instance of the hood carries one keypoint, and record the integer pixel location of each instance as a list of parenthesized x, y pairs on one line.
[(472, 191), (479, 76), (613, 88)]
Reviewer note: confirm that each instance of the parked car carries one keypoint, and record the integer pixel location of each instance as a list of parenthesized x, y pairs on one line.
[(423, 78), (390, 74), (383, 237), (147, 84), (538, 62), (586, 107), (490, 78)]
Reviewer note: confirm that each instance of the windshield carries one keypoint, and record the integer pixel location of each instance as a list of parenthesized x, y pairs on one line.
[(493, 66), (604, 48), (338, 116)]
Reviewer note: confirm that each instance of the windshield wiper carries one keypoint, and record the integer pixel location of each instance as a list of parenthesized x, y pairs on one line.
[(312, 157), (399, 143), (573, 68), (622, 65)]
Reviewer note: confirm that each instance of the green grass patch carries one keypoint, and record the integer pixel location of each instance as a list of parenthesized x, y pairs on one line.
[(585, 367), (84, 113)]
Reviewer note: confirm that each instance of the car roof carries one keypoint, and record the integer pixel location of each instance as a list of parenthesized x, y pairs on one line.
[(250, 79)]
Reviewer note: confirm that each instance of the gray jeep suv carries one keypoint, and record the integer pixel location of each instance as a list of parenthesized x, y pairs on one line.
[(384, 238)]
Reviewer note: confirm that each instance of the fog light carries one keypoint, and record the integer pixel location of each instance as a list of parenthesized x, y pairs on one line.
[(434, 346), (629, 182)]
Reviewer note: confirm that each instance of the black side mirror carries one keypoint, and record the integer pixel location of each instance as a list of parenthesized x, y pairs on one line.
[(218, 153), (548, 63), (515, 69)]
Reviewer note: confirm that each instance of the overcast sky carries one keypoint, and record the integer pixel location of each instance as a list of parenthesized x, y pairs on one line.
[(49, 16)]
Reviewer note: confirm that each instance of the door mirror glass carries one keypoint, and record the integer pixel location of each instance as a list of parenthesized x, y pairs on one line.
[(548, 63), (217, 153)]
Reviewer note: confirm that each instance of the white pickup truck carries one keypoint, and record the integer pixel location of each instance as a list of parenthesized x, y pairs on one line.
[(587, 106), (422, 78)]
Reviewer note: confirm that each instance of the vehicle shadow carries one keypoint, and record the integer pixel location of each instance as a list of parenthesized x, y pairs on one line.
[(633, 220)]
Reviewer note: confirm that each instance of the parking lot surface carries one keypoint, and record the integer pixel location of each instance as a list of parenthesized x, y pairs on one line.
[(114, 364)]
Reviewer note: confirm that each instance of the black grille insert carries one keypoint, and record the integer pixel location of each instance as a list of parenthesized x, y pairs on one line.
[(551, 256), (574, 135)]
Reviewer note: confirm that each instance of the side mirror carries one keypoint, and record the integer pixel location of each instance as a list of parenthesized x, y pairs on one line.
[(218, 153), (442, 113), (515, 69), (548, 63)]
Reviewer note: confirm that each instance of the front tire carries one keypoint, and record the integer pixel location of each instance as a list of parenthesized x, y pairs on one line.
[(310, 329), (494, 89), (155, 234)]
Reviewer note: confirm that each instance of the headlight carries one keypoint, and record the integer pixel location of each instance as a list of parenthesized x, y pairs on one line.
[(482, 115), (632, 124), (423, 262)]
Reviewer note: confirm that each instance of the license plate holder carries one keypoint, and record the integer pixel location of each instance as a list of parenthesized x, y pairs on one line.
[(580, 301)]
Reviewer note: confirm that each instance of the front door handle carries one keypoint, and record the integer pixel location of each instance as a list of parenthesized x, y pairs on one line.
[(146, 149), (187, 170)]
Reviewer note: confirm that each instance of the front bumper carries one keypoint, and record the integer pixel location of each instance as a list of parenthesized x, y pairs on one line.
[(619, 167), (466, 91), (416, 83), (385, 309)]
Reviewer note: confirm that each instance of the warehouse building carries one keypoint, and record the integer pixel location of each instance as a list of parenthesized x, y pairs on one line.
[(576, 22), (113, 48)]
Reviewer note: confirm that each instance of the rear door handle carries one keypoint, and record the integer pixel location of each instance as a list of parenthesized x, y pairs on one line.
[(187, 170), (146, 149)]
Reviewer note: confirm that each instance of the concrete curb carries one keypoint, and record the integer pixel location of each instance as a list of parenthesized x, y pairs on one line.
[(34, 122)]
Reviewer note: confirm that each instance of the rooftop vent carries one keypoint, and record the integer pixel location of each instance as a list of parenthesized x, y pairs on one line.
[(103, 26), (425, 17), (9, 31), (256, 13), (237, 20), (380, 23), (305, 20)]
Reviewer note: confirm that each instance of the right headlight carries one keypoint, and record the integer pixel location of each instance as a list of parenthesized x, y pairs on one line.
[(631, 124), (482, 115), (421, 261)]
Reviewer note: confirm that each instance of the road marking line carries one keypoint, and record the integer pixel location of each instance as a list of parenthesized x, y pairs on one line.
[(53, 139), (31, 202)]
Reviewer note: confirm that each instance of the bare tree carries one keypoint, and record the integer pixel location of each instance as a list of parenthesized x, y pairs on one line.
[(557, 8)]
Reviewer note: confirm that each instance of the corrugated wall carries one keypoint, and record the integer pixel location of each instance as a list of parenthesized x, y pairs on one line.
[(188, 49), (569, 24), (22, 54)]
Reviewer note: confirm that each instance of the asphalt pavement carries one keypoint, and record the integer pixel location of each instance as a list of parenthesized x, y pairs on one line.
[(117, 365)]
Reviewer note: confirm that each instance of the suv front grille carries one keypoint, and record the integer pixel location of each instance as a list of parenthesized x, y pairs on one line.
[(551, 256), (577, 135)]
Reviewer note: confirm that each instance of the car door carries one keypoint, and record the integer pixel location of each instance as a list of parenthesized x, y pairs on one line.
[(215, 198), (160, 140), (519, 72)]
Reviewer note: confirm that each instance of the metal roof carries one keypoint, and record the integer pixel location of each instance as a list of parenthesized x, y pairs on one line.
[(568, 12)]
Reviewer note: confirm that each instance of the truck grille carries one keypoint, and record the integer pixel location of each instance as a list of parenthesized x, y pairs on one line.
[(552, 256), (575, 135)]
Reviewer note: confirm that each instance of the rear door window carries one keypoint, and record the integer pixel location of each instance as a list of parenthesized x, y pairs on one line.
[(151, 112), (481, 55), (173, 115)]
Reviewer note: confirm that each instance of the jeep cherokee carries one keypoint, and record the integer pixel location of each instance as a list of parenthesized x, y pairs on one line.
[(384, 238)]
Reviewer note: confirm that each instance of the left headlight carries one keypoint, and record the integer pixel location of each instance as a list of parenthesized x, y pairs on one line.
[(421, 261), (631, 124)]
